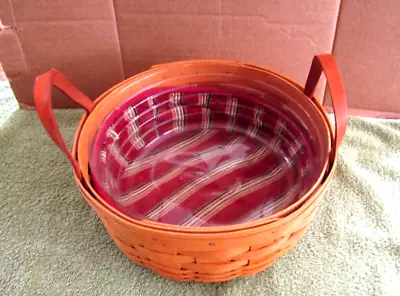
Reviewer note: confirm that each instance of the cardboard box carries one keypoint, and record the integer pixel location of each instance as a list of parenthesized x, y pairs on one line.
[(98, 43), (367, 50)]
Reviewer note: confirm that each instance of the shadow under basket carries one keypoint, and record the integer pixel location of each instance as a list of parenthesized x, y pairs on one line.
[(203, 170)]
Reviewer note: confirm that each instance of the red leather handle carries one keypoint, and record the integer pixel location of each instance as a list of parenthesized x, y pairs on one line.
[(42, 99), (327, 63)]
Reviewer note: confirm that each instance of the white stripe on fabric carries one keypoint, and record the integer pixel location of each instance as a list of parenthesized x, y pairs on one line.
[(114, 150), (278, 129), (152, 104), (134, 135), (231, 109), (233, 195), (306, 169), (274, 206), (178, 111), (142, 164), (184, 192), (257, 123), (111, 133), (204, 103), (131, 116), (103, 155), (144, 190)]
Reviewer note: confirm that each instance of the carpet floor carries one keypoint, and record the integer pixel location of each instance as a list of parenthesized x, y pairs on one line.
[(51, 243)]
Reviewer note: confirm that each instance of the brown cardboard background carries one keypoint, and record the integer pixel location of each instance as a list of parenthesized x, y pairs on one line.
[(6, 13), (367, 49), (255, 32), (78, 37), (97, 43)]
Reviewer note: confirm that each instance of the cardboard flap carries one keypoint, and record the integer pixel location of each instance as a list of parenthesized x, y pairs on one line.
[(12, 56)]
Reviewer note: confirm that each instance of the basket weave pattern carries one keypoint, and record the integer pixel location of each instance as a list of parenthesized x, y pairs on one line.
[(209, 265), (211, 258), (207, 254)]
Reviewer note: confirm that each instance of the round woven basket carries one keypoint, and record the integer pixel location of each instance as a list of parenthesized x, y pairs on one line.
[(215, 253)]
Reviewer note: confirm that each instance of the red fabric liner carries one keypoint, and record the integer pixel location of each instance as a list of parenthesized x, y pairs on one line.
[(201, 156)]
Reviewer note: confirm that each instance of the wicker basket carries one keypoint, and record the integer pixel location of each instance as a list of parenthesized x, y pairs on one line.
[(207, 254)]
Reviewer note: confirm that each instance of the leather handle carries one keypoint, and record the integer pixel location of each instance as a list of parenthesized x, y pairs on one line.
[(42, 100), (327, 64)]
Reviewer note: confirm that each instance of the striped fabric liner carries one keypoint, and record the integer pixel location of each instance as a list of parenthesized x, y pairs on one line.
[(273, 206), (280, 126), (173, 201), (161, 166), (146, 190), (111, 133), (143, 191), (231, 109), (190, 188), (294, 150), (175, 98), (206, 212), (144, 163), (257, 123), (160, 185), (175, 102), (178, 111), (152, 104), (204, 102), (117, 153), (134, 129), (103, 155), (306, 169), (131, 118), (114, 150)]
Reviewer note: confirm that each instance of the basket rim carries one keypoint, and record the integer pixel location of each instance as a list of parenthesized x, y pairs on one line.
[(279, 218), (100, 106), (97, 166)]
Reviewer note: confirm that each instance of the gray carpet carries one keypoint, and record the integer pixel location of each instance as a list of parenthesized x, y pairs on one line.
[(51, 243)]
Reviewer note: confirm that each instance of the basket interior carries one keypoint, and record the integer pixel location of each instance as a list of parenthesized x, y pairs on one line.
[(203, 155)]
